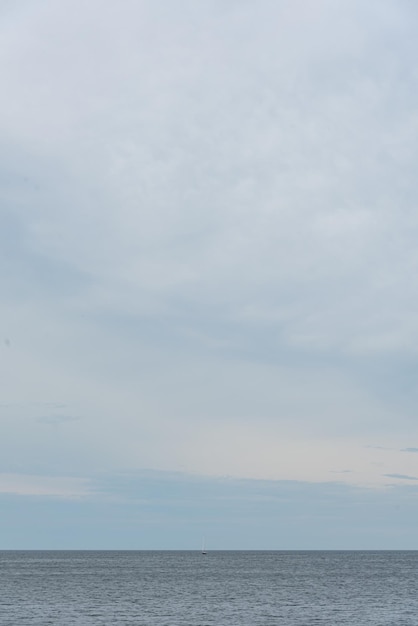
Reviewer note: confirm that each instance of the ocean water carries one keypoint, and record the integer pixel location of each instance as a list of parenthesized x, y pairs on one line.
[(221, 588)]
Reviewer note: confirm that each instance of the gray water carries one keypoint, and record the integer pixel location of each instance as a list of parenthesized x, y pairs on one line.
[(221, 588)]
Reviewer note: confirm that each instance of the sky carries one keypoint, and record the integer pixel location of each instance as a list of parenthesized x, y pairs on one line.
[(208, 261)]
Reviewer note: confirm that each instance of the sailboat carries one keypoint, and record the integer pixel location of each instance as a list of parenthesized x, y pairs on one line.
[(204, 551)]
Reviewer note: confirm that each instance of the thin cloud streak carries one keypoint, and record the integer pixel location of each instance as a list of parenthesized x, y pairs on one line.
[(401, 476)]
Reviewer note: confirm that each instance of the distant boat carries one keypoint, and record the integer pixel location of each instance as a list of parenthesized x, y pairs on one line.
[(204, 551)]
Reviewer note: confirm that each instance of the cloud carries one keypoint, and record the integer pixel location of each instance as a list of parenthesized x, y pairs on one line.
[(32, 485), (208, 233), (148, 510), (409, 450), (401, 476)]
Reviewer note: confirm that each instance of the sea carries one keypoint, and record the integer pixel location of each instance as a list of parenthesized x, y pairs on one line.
[(217, 589)]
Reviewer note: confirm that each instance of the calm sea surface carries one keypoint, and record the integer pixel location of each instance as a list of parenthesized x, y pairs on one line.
[(221, 588)]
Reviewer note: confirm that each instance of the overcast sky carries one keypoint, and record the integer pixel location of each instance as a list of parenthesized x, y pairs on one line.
[(208, 270)]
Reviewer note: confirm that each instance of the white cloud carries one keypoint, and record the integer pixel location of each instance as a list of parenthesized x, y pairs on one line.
[(213, 220), (31, 485)]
